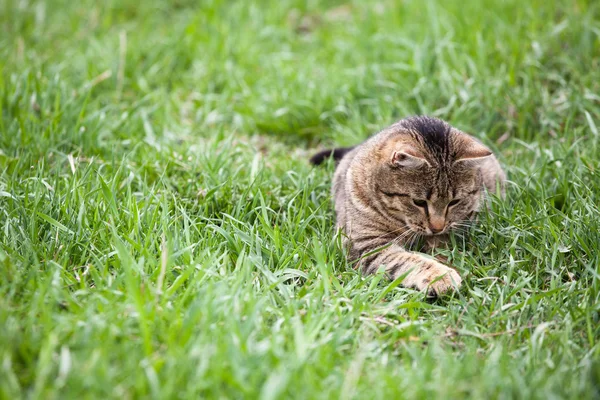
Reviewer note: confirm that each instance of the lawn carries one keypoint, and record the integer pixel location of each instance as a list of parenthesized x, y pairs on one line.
[(162, 234)]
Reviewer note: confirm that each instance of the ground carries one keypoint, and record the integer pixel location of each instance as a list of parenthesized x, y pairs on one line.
[(163, 235)]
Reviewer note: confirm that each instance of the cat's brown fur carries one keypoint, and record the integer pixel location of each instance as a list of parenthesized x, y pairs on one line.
[(418, 177)]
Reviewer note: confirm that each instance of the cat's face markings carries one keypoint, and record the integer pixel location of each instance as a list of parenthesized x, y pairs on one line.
[(432, 183), (430, 216), (439, 214), (429, 202)]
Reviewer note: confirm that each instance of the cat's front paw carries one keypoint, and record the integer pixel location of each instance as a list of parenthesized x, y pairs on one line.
[(437, 279)]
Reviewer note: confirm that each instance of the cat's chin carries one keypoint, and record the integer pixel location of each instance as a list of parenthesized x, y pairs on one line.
[(426, 234)]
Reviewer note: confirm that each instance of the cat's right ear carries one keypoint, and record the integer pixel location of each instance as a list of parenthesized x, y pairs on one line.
[(406, 160), (470, 149)]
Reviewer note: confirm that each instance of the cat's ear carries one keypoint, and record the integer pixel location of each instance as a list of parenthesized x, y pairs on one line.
[(471, 150), (402, 158)]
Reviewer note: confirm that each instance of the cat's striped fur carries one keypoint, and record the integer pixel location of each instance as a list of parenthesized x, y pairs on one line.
[(417, 178)]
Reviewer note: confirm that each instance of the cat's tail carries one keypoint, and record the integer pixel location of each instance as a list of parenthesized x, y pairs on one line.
[(336, 154)]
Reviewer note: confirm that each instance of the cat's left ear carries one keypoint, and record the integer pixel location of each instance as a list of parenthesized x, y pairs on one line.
[(408, 158), (470, 149)]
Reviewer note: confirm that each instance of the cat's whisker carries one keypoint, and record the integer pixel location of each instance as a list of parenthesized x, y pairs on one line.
[(409, 237), (411, 240), (460, 230), (403, 236), (460, 225), (416, 237), (394, 231)]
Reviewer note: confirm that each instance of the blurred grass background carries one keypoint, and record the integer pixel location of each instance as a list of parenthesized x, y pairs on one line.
[(162, 235)]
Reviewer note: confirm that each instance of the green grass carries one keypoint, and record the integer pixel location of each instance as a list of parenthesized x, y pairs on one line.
[(162, 234)]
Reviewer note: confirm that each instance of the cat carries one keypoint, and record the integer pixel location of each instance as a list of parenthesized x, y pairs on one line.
[(418, 178)]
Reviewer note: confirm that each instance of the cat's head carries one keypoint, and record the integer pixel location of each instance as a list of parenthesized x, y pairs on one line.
[(429, 175)]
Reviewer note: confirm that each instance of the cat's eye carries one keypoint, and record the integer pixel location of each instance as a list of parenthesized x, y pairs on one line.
[(420, 203), (454, 202)]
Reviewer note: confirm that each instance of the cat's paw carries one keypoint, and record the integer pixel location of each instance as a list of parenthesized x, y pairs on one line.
[(437, 279)]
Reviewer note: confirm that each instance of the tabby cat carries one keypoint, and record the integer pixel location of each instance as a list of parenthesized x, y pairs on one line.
[(419, 178)]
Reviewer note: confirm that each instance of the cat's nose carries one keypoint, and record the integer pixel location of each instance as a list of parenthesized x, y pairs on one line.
[(436, 229), (436, 225)]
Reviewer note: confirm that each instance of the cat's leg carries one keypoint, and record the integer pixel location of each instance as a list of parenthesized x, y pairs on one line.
[(424, 273)]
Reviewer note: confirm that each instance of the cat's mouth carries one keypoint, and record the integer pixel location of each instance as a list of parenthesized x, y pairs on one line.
[(432, 234), (428, 232)]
